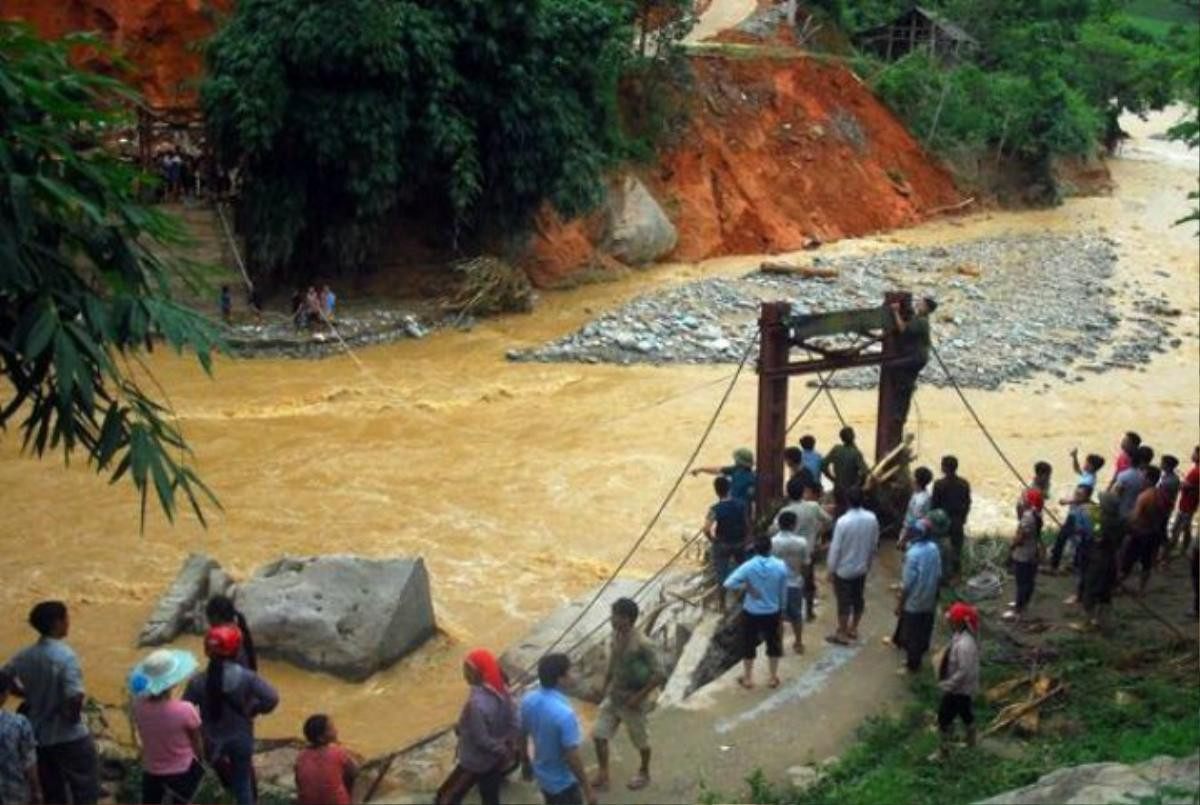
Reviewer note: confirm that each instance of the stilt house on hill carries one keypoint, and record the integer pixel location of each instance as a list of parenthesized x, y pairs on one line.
[(918, 29)]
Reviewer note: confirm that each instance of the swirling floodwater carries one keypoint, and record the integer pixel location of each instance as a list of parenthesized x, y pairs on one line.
[(522, 485)]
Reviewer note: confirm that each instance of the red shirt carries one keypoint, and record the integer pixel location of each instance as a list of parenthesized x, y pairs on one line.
[(321, 776), (1189, 493)]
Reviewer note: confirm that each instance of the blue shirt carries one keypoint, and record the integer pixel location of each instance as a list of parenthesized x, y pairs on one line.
[(547, 717), (1087, 479), (742, 481), (50, 673), (767, 576), (811, 461), (730, 518), (18, 753), (922, 574)]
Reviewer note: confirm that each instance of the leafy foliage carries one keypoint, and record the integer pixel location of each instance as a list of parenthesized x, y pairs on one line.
[(477, 111), (1051, 77), (1187, 131), (82, 291)]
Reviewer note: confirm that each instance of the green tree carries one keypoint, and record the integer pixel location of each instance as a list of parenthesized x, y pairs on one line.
[(473, 111), (84, 288), (1187, 131)]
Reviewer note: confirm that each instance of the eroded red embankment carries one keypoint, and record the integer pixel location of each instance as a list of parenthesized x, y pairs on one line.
[(161, 39), (779, 150)]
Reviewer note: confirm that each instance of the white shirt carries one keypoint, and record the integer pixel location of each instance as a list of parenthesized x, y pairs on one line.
[(793, 550), (855, 538)]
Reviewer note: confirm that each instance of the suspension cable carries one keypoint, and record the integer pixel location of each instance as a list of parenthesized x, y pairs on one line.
[(658, 513)]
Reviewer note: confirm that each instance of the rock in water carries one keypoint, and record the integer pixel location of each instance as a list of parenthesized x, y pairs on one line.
[(637, 230), (344, 615), (182, 607)]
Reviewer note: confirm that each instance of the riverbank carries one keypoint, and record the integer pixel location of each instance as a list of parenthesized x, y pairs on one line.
[(522, 484)]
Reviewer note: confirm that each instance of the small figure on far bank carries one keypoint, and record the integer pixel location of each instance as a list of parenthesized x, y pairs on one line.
[(855, 540), (548, 720), (952, 494), (958, 676), (634, 671), (915, 340), (764, 580), (740, 473), (1025, 551), (254, 300), (488, 734), (845, 466), (324, 770), (168, 729), (50, 679), (920, 582), (226, 303), (328, 303), (18, 753)]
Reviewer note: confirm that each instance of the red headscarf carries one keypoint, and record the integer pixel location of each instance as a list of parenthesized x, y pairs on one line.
[(962, 612), (223, 641), (1034, 499), (485, 663)]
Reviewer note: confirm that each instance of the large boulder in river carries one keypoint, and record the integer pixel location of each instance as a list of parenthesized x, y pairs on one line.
[(636, 228), (181, 608), (345, 615)]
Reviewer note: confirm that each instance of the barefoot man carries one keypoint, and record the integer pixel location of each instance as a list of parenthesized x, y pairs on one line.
[(633, 673)]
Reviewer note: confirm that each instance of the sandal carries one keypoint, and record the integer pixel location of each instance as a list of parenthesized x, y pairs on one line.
[(638, 782), (745, 683)]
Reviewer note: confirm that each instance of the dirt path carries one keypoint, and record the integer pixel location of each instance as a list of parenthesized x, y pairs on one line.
[(719, 16)]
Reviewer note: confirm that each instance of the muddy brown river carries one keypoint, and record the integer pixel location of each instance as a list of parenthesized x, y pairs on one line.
[(521, 485)]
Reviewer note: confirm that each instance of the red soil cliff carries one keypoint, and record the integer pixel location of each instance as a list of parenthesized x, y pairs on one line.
[(162, 39)]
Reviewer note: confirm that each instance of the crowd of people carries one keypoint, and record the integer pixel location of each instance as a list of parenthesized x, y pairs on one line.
[(1140, 519), (47, 753)]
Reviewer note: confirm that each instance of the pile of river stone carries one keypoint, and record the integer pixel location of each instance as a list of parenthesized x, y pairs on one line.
[(1009, 308), (279, 337)]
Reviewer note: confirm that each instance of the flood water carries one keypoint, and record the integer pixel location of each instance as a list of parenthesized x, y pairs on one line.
[(522, 485)]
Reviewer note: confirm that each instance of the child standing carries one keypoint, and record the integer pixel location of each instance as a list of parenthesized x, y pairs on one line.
[(325, 770), (958, 675)]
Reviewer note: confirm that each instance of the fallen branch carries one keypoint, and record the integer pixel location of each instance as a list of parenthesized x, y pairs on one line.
[(952, 207), (1019, 710), (904, 443), (793, 270)]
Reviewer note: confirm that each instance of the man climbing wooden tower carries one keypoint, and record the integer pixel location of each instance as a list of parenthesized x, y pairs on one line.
[(893, 336)]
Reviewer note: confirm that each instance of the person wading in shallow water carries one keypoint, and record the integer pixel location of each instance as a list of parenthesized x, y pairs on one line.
[(634, 671)]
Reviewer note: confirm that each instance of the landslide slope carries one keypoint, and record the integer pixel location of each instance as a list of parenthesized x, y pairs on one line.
[(782, 149)]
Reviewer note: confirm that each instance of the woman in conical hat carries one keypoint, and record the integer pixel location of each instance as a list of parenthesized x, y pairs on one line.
[(169, 729)]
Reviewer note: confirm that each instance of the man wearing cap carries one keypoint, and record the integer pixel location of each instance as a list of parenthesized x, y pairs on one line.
[(958, 676), (169, 729), (51, 681), (740, 473)]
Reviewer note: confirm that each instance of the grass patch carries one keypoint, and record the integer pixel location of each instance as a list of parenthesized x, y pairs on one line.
[(1158, 17)]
